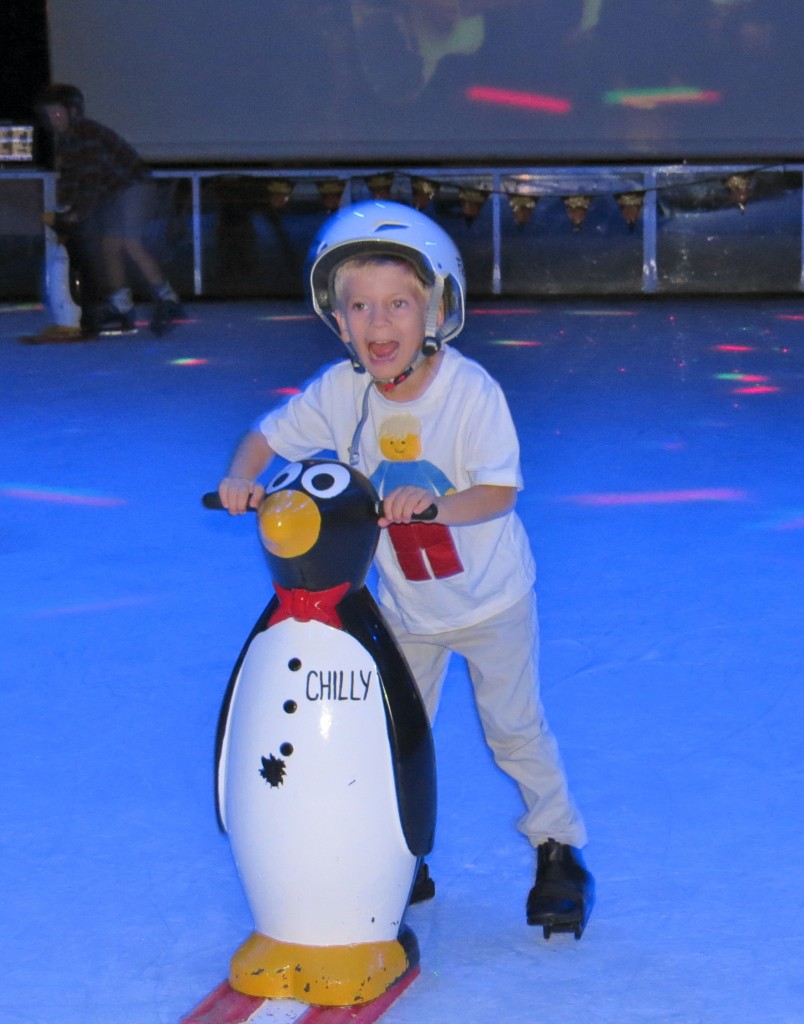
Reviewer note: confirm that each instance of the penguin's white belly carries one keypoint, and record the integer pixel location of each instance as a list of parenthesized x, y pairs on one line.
[(308, 790), (63, 311)]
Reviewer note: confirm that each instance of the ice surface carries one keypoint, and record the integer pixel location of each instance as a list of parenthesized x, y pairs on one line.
[(666, 510)]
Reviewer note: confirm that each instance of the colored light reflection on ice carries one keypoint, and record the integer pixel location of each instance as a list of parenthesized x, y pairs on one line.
[(756, 389), (289, 318), (504, 311), (83, 609), (659, 497), (285, 392), (732, 348), (516, 343), (26, 492), (522, 100), (746, 378), (600, 312), (189, 362), (650, 99), (791, 520)]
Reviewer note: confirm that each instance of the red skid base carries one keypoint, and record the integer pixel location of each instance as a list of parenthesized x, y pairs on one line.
[(225, 1006)]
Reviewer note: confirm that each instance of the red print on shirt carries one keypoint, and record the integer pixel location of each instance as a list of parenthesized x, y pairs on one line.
[(419, 545)]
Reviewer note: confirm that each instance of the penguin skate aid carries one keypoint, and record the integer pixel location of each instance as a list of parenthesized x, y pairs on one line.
[(428, 426), (326, 770)]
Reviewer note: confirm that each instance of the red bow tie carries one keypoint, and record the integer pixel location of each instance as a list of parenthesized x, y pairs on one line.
[(307, 605)]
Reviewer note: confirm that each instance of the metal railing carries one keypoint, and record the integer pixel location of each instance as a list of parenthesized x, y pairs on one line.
[(496, 186)]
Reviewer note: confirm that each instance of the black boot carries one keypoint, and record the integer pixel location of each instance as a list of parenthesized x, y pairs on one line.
[(164, 316), (167, 309), (562, 898), (423, 885), (104, 318)]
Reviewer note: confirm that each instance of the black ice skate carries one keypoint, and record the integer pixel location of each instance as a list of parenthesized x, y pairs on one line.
[(164, 316), (562, 897), (106, 319)]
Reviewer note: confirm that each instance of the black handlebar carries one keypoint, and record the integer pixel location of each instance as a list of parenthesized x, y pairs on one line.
[(212, 500)]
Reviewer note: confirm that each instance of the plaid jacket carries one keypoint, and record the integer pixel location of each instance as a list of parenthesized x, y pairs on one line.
[(93, 163)]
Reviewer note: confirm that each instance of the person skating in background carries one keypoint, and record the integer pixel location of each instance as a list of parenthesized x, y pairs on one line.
[(102, 197)]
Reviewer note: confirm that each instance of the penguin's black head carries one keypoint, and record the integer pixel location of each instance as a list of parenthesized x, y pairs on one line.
[(318, 525)]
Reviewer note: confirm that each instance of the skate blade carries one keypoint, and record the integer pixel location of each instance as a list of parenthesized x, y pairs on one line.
[(554, 924), (116, 332), (554, 929)]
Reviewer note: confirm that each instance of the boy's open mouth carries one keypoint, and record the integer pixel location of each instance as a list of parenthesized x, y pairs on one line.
[(383, 350)]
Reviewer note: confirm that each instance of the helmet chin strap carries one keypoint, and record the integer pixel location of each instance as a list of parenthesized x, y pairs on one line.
[(386, 384), (389, 383)]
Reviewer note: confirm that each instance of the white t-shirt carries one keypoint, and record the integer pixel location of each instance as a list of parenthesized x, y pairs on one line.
[(457, 434)]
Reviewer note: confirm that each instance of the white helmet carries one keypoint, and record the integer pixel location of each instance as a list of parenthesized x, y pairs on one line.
[(392, 229)]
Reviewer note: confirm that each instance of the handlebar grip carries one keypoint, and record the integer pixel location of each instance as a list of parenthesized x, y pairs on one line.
[(212, 500), (429, 514)]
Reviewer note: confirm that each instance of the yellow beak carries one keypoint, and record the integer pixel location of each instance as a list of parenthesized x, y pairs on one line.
[(289, 523)]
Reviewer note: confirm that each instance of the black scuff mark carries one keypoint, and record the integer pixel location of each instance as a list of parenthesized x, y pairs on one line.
[(273, 770)]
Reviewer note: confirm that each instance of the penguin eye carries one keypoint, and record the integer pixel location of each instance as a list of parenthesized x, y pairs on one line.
[(326, 481), (284, 477)]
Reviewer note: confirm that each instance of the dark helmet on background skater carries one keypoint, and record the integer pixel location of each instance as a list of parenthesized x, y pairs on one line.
[(64, 95), (392, 229)]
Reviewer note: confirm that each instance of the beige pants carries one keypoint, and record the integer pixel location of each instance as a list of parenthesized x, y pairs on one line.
[(502, 658)]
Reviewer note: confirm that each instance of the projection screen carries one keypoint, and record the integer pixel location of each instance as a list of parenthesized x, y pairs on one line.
[(324, 81)]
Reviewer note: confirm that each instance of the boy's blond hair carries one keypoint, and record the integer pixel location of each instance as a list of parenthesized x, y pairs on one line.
[(356, 263)]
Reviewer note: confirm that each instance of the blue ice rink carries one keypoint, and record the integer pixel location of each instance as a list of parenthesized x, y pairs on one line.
[(662, 448)]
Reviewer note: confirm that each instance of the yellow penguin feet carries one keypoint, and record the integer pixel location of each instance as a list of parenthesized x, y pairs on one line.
[(326, 975)]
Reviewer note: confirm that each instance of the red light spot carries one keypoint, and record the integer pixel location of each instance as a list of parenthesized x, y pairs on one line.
[(660, 497), (523, 100), (60, 497)]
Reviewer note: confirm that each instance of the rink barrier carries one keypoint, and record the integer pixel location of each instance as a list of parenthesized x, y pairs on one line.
[(489, 200)]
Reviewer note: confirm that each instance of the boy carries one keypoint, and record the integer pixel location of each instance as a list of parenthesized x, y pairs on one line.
[(392, 282), (101, 194)]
